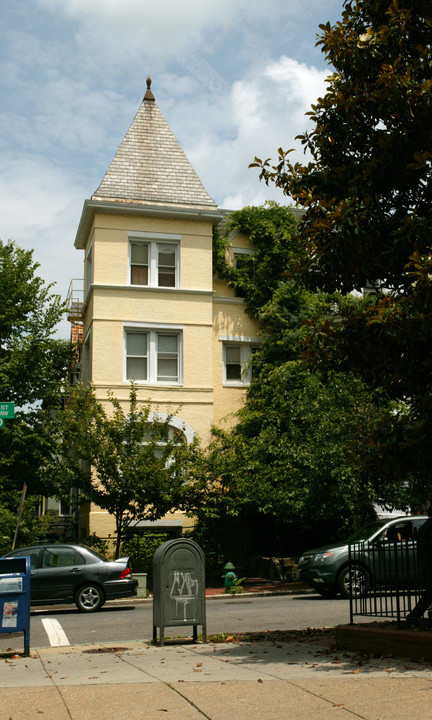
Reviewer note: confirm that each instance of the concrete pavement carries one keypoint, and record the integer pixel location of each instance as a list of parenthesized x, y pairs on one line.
[(303, 677)]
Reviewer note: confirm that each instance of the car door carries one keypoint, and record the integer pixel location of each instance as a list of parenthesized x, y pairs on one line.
[(61, 571), (34, 554), (394, 555)]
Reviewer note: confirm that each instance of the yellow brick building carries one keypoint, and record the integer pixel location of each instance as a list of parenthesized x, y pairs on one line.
[(151, 310)]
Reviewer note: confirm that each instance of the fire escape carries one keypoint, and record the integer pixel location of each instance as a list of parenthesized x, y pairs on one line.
[(76, 309)]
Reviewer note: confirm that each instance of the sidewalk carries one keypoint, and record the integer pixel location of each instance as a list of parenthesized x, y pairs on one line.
[(300, 676)]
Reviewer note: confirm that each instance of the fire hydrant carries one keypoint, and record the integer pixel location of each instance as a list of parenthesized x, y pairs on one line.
[(230, 577)]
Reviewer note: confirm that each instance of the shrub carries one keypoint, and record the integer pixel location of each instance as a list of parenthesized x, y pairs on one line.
[(141, 549)]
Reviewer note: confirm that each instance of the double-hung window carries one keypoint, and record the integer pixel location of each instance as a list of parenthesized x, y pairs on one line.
[(88, 271), (237, 362), (240, 258), (154, 263), (166, 265), (139, 263), (153, 355)]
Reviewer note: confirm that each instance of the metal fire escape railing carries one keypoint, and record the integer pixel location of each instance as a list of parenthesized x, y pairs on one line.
[(76, 307)]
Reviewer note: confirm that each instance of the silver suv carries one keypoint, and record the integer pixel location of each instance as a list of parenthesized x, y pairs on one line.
[(326, 568)]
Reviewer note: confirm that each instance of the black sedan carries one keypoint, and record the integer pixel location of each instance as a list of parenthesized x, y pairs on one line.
[(74, 573)]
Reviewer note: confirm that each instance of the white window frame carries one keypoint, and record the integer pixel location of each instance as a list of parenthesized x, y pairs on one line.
[(50, 505), (88, 269), (174, 422), (246, 346), (152, 331), (86, 359), (154, 242), (241, 251)]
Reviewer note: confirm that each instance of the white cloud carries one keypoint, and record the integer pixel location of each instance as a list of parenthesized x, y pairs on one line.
[(163, 27), (39, 209), (127, 31), (265, 111)]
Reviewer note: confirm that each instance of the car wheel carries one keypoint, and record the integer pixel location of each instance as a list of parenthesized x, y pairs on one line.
[(353, 582), (89, 598)]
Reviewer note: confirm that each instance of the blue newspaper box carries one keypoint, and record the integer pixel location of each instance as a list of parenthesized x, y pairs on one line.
[(15, 597)]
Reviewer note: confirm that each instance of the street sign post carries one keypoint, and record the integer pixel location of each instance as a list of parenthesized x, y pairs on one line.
[(7, 412)]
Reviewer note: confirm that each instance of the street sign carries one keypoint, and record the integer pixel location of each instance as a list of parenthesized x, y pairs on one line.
[(7, 410)]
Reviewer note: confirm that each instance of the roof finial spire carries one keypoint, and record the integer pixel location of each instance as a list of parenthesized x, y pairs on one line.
[(149, 95)]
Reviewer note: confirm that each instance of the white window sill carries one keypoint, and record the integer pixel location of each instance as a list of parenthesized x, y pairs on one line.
[(235, 383), (145, 383)]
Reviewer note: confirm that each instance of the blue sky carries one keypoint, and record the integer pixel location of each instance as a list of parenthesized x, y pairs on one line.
[(233, 78)]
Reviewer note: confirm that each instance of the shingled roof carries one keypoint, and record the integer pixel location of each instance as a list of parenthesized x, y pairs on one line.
[(151, 167)]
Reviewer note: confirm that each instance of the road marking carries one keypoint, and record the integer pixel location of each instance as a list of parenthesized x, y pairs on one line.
[(55, 632)]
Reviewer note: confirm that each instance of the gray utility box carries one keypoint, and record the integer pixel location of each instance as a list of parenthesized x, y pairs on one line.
[(178, 587)]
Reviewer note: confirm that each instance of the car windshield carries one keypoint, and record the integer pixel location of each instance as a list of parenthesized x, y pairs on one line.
[(365, 532)]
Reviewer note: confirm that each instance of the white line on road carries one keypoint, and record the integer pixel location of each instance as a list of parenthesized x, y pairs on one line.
[(55, 632)]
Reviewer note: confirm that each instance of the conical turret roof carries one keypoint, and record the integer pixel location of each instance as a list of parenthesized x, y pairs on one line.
[(150, 167)]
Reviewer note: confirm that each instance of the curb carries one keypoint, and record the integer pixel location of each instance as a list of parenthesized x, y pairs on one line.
[(231, 596), (221, 596), (259, 593), (412, 644)]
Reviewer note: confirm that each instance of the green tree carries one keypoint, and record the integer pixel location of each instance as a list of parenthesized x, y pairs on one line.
[(366, 194), (33, 365), (130, 464), (32, 361), (297, 453)]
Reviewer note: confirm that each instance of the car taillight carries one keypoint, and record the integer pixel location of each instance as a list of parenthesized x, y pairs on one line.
[(125, 574)]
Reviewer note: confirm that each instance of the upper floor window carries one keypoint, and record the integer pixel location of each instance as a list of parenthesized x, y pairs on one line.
[(153, 356), (60, 508), (88, 270), (240, 256), (86, 360), (237, 363), (154, 263)]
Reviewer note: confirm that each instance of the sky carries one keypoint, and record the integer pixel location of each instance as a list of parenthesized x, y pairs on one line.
[(233, 78)]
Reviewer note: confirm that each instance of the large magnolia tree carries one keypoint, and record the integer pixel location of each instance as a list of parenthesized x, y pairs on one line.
[(367, 194)]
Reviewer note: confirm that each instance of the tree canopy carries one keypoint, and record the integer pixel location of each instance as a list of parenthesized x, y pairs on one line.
[(366, 195), (32, 361), (296, 453), (132, 463), (33, 367), (367, 191)]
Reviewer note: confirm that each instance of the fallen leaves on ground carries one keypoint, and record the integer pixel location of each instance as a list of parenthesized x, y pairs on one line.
[(277, 636)]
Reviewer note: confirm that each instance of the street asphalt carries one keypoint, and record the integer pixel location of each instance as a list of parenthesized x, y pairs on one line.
[(303, 677)]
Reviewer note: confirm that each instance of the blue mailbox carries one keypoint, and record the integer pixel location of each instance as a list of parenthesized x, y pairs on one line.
[(15, 597)]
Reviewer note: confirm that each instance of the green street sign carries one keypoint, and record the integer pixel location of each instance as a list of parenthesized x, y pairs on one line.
[(7, 410)]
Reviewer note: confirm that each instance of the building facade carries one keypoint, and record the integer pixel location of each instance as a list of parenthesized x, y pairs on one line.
[(149, 309)]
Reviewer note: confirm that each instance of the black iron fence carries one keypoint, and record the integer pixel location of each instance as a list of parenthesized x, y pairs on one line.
[(385, 580)]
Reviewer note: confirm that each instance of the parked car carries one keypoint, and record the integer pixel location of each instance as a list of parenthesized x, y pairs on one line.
[(74, 573), (326, 569)]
